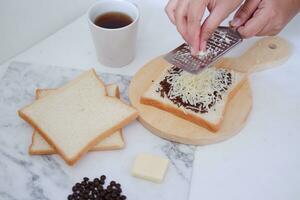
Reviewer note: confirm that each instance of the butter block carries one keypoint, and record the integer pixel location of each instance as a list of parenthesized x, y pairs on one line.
[(150, 167)]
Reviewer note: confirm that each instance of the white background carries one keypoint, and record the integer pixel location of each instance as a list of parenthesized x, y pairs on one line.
[(260, 163), (23, 23)]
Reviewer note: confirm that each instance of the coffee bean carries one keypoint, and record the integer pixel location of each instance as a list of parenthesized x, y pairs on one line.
[(103, 177), (74, 188), (109, 187), (102, 182), (123, 197), (90, 183), (95, 192), (81, 194), (108, 197), (112, 183), (97, 182), (114, 194), (100, 187), (86, 179), (86, 195), (119, 190), (83, 184), (92, 198)]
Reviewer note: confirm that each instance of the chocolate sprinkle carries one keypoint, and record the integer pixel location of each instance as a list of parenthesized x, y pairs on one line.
[(165, 87)]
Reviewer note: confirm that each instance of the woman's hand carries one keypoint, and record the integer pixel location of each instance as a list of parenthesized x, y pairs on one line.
[(264, 17), (187, 16)]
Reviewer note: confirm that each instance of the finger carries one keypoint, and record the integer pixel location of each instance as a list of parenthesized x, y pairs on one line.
[(244, 12), (170, 10), (196, 11), (181, 18), (211, 23), (268, 31), (255, 24)]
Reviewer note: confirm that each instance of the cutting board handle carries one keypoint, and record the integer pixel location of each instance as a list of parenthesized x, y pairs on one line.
[(264, 54)]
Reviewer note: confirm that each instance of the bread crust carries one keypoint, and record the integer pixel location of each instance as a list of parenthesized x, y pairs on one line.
[(95, 148), (191, 117), (118, 93)]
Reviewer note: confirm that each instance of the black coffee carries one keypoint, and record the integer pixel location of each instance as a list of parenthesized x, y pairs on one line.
[(113, 20)]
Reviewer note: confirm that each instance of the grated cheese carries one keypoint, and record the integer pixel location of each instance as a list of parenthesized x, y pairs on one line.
[(204, 54), (196, 89)]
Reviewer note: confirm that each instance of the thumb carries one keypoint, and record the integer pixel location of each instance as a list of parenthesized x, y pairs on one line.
[(255, 24), (244, 12)]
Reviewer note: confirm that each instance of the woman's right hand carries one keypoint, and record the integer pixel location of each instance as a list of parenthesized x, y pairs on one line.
[(187, 16)]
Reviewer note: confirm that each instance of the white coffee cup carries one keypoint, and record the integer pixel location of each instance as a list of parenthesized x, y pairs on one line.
[(114, 47)]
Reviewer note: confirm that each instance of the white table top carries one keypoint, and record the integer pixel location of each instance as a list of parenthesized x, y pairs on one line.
[(262, 162)]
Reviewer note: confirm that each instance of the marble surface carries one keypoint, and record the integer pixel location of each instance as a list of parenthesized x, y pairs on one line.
[(25, 177)]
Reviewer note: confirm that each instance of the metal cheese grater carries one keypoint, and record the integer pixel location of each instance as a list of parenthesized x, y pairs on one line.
[(221, 41)]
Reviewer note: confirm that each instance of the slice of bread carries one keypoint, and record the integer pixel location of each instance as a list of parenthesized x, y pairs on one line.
[(78, 116), (200, 98), (40, 147)]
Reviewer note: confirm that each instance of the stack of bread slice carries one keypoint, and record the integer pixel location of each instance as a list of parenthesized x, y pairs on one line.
[(81, 116), (199, 98)]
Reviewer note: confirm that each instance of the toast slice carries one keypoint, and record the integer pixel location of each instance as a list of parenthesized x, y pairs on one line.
[(78, 116), (199, 98), (40, 147)]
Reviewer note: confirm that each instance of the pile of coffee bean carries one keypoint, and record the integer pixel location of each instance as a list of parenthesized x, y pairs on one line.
[(95, 190)]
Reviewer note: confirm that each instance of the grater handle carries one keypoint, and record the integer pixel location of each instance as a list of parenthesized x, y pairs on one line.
[(265, 53)]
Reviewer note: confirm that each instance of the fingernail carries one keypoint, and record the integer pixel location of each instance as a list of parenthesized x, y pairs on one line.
[(193, 51), (203, 46), (236, 22)]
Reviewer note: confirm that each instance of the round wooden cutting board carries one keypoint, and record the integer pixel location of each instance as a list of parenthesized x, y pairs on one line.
[(171, 127)]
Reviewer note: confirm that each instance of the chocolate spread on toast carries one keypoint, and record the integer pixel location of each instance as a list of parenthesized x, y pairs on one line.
[(224, 79)]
